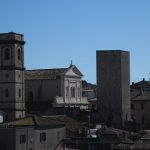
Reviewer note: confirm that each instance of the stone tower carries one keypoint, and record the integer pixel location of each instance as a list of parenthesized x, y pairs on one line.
[(113, 86), (12, 101)]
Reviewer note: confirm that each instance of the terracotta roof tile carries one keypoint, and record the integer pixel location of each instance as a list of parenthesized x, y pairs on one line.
[(32, 121), (70, 123)]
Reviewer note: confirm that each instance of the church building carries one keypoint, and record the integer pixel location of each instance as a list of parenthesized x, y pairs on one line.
[(61, 87)]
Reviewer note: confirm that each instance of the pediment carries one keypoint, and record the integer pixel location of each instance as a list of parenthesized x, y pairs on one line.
[(73, 71)]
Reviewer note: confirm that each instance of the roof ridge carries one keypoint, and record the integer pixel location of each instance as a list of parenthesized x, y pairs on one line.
[(45, 69)]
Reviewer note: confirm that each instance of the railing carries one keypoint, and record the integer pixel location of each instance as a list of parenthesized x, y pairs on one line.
[(61, 100)]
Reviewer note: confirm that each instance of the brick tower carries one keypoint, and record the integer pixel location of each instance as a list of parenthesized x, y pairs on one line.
[(113, 86)]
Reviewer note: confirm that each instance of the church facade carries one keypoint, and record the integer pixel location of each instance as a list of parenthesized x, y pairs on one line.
[(62, 87)]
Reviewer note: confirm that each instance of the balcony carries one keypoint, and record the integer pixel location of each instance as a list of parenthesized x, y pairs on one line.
[(71, 101)]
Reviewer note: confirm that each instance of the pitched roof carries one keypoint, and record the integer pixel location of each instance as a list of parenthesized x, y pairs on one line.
[(144, 96), (51, 74), (33, 121), (143, 143), (134, 93), (107, 131), (70, 123), (122, 146), (141, 84), (46, 121), (146, 136)]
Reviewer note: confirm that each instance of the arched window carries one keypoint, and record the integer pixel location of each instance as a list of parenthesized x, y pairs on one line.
[(6, 92), (19, 54), (7, 54)]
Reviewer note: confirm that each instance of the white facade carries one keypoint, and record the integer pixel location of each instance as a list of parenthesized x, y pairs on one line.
[(1, 117), (63, 89)]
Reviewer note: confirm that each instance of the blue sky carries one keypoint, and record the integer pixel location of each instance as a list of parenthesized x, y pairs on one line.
[(58, 31)]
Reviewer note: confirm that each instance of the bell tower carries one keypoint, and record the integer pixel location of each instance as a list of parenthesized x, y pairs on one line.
[(12, 100)]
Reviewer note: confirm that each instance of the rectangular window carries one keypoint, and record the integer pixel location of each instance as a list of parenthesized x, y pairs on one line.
[(6, 92), (72, 91), (79, 91), (19, 92), (42, 137), (22, 138), (19, 54), (67, 91)]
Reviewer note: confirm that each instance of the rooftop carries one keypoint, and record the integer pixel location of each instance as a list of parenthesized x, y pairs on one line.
[(141, 84), (11, 37), (33, 120), (70, 123), (144, 96), (108, 51), (10, 33), (45, 121), (51, 74), (146, 136)]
